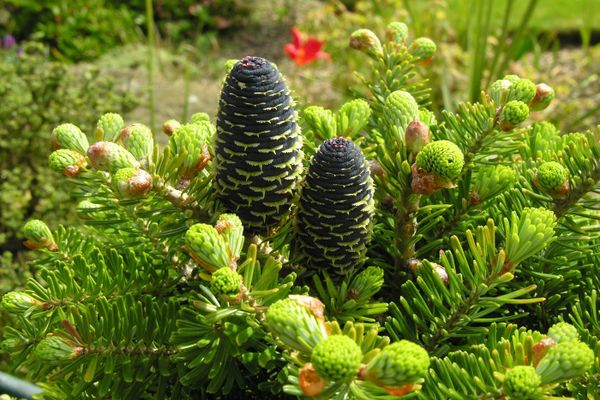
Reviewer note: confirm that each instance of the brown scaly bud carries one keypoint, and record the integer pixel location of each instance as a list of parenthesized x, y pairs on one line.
[(416, 136), (544, 95), (541, 348), (376, 168), (310, 382), (170, 126)]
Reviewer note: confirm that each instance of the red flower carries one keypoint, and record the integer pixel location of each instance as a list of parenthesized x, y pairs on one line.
[(305, 52)]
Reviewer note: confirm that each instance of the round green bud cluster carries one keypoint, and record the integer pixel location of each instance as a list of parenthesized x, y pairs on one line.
[(131, 182), (400, 109), (38, 235), (138, 140), (109, 156), (513, 113), (69, 136), (337, 358), (108, 127), (565, 360), (193, 139), (66, 161), (563, 332), (441, 158), (18, 302), (396, 32), (295, 325), (54, 349), (522, 383), (423, 48), (398, 364), (366, 41), (258, 145), (522, 90), (544, 95), (207, 247), (552, 175), (225, 281)]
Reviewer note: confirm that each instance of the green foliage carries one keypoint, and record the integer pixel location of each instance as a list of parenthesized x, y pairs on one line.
[(167, 294)]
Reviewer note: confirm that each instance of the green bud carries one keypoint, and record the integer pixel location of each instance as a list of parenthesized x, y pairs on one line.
[(513, 113), (295, 324), (108, 127), (131, 182), (544, 95), (225, 281), (337, 358), (527, 234), (366, 41), (199, 117), (491, 181), (423, 49), (564, 361), (352, 117), (442, 158), (19, 302), (400, 109), (398, 364), (563, 332), (320, 120), (207, 247), (511, 78), (54, 349), (170, 126), (69, 136), (366, 284), (68, 162), (138, 139), (230, 227), (193, 140), (416, 136), (522, 90), (396, 32), (522, 383), (552, 177), (38, 235), (499, 91), (109, 156)]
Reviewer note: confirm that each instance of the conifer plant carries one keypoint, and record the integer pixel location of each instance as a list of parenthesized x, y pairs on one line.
[(373, 252)]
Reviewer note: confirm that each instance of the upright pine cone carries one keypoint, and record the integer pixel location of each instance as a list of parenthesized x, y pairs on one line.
[(258, 149), (336, 206)]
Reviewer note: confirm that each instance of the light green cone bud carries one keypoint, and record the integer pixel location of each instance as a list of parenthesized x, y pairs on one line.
[(511, 78), (131, 182), (54, 349), (491, 181), (199, 117), (170, 126), (563, 332), (207, 247), (366, 283), (352, 117), (398, 364), (513, 113), (564, 361), (544, 95), (499, 91), (19, 302), (109, 156), (442, 158), (68, 162), (522, 383), (423, 49), (522, 90), (38, 235), (69, 136), (231, 228), (138, 139), (336, 358), (396, 32), (527, 234), (225, 281), (552, 176), (321, 120), (193, 139), (108, 127), (366, 41), (295, 325), (400, 109)]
